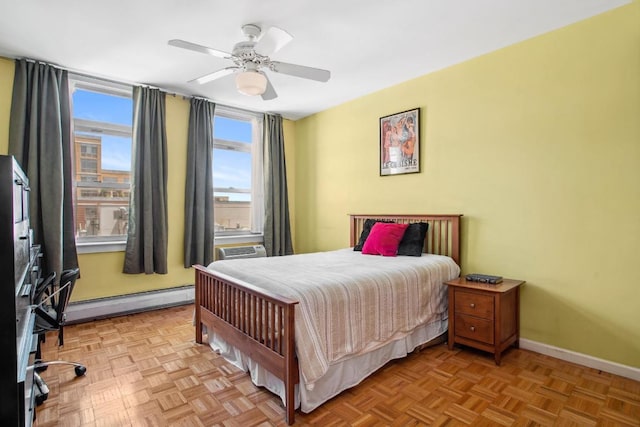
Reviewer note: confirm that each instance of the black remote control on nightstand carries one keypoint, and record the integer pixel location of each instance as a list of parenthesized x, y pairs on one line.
[(483, 278)]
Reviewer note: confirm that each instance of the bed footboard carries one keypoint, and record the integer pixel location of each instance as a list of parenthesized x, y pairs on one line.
[(258, 323)]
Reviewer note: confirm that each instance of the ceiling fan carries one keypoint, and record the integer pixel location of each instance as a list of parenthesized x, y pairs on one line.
[(251, 57)]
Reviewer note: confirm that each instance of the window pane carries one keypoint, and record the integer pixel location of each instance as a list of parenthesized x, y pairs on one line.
[(230, 214), (116, 153), (102, 107), (232, 130), (232, 169), (88, 165), (102, 165), (232, 163), (100, 218), (232, 209)]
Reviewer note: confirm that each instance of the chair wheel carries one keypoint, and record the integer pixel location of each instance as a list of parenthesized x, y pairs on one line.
[(80, 370), (40, 398)]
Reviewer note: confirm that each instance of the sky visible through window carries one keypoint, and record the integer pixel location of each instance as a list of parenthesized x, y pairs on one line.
[(231, 169), (116, 151)]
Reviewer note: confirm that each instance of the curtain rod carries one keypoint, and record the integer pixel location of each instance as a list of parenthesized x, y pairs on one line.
[(108, 79), (123, 82)]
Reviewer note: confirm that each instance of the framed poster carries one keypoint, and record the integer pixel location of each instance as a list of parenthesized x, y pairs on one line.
[(400, 143)]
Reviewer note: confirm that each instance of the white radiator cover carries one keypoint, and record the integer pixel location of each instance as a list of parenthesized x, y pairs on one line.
[(236, 252)]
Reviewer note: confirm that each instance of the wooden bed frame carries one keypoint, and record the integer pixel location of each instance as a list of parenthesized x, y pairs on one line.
[(261, 324)]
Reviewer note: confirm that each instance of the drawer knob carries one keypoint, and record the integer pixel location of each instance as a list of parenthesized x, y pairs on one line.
[(472, 305), (473, 328)]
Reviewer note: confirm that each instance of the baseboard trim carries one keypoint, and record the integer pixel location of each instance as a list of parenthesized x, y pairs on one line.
[(581, 359), (102, 308)]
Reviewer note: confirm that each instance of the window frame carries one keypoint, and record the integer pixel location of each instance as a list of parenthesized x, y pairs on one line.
[(97, 244), (118, 243), (255, 235)]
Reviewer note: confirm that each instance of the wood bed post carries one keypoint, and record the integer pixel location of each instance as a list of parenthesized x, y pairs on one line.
[(291, 365), (198, 297), (455, 238)]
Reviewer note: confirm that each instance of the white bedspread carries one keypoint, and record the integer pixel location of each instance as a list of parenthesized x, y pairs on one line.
[(350, 303)]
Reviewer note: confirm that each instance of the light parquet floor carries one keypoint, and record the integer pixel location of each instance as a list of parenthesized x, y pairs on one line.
[(146, 370)]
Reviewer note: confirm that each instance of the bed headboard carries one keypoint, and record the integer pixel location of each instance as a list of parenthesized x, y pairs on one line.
[(443, 234)]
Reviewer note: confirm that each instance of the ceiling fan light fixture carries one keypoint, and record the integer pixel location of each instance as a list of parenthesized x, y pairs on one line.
[(250, 57), (251, 83)]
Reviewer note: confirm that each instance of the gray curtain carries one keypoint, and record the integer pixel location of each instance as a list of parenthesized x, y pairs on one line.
[(146, 250), (40, 140), (198, 207), (277, 227)]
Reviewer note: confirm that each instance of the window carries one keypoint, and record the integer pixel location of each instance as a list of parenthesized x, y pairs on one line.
[(102, 127), (89, 193), (88, 151), (87, 165), (87, 178), (237, 172)]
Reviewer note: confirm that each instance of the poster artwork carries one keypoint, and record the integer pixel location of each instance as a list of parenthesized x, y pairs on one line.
[(400, 143)]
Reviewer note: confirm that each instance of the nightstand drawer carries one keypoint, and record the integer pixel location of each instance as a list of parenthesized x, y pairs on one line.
[(474, 328), (474, 304)]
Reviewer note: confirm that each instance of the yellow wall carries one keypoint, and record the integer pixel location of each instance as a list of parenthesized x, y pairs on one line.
[(538, 146), (289, 154), (7, 69)]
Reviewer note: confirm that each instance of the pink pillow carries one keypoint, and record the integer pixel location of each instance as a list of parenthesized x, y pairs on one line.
[(384, 239)]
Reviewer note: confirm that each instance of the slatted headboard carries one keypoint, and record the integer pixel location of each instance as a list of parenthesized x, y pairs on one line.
[(443, 234)]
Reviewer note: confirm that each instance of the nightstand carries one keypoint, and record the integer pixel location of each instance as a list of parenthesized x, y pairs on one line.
[(484, 316)]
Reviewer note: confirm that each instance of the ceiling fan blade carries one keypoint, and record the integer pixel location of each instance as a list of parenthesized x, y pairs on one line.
[(301, 71), (198, 48), (272, 41), (270, 92), (215, 75)]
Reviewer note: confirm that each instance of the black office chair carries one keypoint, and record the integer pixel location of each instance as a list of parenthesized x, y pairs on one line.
[(51, 299)]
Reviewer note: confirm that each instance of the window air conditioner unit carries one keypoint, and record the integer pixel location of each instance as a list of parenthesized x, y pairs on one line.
[(236, 252)]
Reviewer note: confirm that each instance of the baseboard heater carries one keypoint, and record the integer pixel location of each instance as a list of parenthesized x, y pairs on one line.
[(102, 308)]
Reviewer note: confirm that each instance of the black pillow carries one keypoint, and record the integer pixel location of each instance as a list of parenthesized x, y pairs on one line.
[(366, 229), (412, 242)]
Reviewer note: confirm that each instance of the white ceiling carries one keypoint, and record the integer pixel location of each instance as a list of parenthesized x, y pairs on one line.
[(367, 45)]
